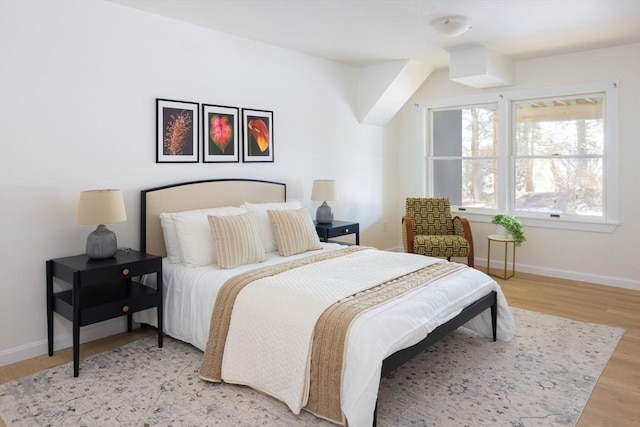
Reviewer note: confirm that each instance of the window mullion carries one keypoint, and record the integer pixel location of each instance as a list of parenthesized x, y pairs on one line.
[(505, 164)]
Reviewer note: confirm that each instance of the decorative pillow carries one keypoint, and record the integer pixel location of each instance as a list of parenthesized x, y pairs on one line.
[(194, 234), (171, 242), (236, 239), (264, 226), (294, 231)]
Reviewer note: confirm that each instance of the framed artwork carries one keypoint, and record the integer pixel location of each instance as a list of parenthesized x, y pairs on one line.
[(220, 134), (257, 135), (176, 131)]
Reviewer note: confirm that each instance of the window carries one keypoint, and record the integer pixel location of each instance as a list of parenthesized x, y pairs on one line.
[(559, 153), (548, 155), (465, 154)]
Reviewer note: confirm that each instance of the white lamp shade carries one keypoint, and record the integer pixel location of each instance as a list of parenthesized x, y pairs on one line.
[(101, 207), (324, 190)]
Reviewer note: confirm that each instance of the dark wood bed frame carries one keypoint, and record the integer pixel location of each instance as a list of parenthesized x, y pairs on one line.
[(392, 362), (397, 359)]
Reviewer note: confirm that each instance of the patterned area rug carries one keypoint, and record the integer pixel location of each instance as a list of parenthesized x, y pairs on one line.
[(543, 377)]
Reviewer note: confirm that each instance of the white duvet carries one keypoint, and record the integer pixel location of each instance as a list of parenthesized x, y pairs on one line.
[(189, 295)]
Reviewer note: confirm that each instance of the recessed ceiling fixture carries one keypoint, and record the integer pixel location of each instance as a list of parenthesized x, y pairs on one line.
[(451, 26)]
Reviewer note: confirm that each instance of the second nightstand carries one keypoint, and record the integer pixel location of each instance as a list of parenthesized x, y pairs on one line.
[(336, 229), (102, 289)]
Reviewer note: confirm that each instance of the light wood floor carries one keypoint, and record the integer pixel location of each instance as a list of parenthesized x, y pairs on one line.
[(615, 400)]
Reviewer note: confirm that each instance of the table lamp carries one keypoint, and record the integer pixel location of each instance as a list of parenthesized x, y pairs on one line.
[(101, 207), (324, 190)]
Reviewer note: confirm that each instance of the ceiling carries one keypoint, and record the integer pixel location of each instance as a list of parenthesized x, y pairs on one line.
[(367, 32)]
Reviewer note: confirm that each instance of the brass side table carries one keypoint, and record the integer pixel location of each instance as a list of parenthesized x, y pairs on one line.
[(506, 240)]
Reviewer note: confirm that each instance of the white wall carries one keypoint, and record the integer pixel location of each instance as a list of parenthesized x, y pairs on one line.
[(605, 258), (78, 82)]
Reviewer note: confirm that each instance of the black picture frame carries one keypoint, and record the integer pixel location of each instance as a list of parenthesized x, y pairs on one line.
[(220, 134), (257, 136), (176, 131)]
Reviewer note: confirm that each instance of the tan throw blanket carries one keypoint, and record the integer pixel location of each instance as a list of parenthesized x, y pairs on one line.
[(331, 332)]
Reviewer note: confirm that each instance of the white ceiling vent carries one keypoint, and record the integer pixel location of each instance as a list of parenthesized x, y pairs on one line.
[(480, 68)]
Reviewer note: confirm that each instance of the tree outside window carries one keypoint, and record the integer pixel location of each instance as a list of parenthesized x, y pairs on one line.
[(559, 155), (464, 155), (548, 155)]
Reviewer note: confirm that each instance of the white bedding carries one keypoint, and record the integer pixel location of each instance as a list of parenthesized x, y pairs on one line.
[(190, 292), (372, 337)]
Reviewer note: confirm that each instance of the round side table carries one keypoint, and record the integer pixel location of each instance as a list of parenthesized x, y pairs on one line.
[(506, 240)]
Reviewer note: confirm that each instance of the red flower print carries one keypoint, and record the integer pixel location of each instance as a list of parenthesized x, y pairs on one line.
[(221, 132)]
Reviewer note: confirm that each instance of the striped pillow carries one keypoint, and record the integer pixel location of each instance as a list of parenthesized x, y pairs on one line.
[(236, 240), (294, 231), (260, 209)]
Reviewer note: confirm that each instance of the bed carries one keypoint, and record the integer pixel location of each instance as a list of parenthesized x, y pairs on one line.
[(264, 320)]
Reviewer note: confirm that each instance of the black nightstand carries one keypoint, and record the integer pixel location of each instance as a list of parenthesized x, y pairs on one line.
[(101, 290), (336, 229)]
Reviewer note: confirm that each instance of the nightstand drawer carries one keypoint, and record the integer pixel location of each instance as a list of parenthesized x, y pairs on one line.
[(118, 272), (107, 301), (343, 231), (115, 309), (337, 229)]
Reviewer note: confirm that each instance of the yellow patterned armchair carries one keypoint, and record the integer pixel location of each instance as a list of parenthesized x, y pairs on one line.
[(428, 229)]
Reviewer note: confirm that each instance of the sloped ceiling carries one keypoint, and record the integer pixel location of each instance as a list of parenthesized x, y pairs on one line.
[(368, 33)]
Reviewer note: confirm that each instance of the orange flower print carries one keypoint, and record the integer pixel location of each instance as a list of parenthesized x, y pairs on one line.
[(260, 132), (177, 132), (221, 131)]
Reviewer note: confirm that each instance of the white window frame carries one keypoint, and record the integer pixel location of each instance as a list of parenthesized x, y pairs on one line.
[(432, 158), (610, 218)]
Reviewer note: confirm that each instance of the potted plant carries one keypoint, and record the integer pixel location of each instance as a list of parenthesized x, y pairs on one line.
[(512, 225)]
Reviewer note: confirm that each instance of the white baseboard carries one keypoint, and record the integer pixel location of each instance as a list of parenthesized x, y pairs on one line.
[(617, 282), (87, 333)]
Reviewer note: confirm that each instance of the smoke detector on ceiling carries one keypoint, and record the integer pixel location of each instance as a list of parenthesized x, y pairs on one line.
[(451, 26)]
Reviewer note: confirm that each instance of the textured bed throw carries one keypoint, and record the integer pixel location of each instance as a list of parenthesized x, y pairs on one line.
[(264, 336), (211, 369)]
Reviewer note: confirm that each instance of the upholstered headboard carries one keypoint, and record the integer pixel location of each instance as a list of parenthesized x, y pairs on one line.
[(198, 195)]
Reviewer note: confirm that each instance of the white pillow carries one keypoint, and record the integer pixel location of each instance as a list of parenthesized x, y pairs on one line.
[(294, 231), (264, 225), (194, 233), (171, 242), (236, 240)]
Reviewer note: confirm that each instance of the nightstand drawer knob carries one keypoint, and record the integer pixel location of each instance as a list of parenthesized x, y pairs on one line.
[(125, 271), (125, 309)]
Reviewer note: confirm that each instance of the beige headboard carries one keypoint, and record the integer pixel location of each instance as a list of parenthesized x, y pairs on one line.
[(198, 195)]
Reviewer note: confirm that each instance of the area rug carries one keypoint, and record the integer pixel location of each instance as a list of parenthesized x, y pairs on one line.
[(543, 377)]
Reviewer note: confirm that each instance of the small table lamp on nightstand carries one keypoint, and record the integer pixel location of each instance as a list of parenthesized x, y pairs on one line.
[(324, 190), (101, 207)]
